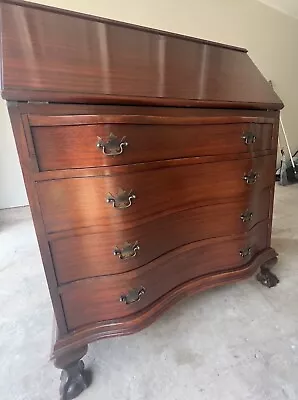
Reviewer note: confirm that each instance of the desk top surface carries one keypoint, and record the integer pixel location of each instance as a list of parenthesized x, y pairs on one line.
[(56, 55)]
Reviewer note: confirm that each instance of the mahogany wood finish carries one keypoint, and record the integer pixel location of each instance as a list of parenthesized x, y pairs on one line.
[(98, 299), (153, 181), (74, 146), (90, 246), (142, 319), (84, 59), (82, 202)]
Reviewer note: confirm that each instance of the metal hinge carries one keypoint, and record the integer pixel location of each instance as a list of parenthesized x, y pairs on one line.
[(38, 102)]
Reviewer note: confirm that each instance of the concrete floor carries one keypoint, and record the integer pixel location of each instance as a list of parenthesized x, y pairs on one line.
[(238, 342)]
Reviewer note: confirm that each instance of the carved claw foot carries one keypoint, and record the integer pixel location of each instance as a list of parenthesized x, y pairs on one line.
[(267, 278), (73, 381)]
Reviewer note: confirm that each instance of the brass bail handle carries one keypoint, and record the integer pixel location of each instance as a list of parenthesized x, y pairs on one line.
[(251, 177), (246, 216), (133, 296), (249, 138), (127, 251), (123, 198), (244, 253), (113, 146)]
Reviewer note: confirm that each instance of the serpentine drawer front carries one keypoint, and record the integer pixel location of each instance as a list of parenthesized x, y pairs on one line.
[(95, 250), (81, 141), (98, 299), (141, 191), (149, 161)]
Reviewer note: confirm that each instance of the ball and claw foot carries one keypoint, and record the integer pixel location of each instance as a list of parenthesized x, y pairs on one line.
[(73, 381), (267, 278)]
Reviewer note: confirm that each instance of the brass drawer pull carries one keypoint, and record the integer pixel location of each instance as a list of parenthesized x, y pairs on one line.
[(251, 177), (128, 250), (249, 138), (245, 252), (123, 199), (133, 296), (113, 146), (246, 216)]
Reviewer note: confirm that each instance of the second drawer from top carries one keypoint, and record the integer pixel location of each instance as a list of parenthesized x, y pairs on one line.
[(136, 195)]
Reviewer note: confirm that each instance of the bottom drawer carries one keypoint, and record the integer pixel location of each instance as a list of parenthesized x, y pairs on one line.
[(116, 296)]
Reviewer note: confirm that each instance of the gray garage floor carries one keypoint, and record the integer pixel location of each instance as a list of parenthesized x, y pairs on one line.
[(231, 343)]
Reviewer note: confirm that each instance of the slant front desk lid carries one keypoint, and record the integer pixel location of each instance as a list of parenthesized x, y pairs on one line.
[(55, 55)]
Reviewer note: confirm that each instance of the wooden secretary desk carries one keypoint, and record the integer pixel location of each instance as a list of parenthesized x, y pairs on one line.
[(149, 162)]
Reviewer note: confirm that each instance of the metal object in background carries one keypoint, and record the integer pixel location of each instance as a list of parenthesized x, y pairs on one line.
[(288, 146), (286, 173), (283, 178)]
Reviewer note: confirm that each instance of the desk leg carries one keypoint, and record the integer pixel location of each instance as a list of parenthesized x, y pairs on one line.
[(74, 379), (265, 276)]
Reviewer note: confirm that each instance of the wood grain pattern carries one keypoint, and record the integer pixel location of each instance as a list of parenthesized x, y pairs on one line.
[(82, 255), (135, 322), (65, 147), (85, 60), (97, 299), (181, 117), (139, 167), (88, 17), (46, 111), (81, 202)]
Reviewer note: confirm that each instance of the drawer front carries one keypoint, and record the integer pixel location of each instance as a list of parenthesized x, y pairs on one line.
[(105, 144), (107, 251), (118, 296), (82, 202)]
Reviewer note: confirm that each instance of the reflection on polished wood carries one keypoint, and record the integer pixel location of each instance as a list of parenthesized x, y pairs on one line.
[(97, 299), (84, 59)]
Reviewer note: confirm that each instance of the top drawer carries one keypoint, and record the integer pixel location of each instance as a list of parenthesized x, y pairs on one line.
[(81, 141)]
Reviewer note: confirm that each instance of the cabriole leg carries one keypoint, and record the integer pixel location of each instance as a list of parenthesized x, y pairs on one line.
[(74, 379), (266, 277)]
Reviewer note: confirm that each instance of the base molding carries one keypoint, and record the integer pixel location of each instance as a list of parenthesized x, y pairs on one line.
[(81, 337)]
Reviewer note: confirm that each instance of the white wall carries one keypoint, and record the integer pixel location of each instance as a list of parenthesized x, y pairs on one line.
[(12, 190), (289, 7), (270, 36)]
